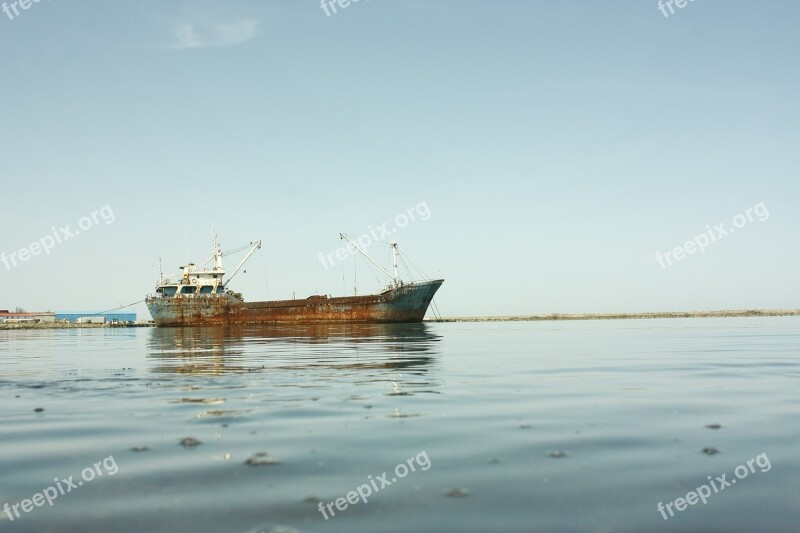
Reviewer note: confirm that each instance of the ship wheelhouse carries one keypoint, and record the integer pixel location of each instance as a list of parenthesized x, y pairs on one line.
[(192, 282), (200, 282)]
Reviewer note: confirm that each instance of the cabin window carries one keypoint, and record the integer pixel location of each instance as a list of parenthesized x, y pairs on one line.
[(220, 289), (206, 289), (188, 289), (168, 292)]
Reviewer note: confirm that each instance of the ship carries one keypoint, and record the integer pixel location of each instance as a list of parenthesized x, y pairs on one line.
[(200, 296)]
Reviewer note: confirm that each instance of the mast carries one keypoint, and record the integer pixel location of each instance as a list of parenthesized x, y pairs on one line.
[(394, 258), (394, 278), (216, 252)]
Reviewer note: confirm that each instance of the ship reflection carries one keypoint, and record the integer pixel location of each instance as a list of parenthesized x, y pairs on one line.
[(217, 350)]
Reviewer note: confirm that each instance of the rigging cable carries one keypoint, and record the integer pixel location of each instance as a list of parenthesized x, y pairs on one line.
[(264, 269), (371, 268), (408, 270), (435, 309), (117, 308), (344, 284)]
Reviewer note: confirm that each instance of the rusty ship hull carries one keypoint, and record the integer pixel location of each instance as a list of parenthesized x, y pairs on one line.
[(406, 303)]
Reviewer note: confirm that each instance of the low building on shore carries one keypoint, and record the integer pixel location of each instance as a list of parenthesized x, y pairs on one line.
[(91, 320), (9, 317), (108, 317)]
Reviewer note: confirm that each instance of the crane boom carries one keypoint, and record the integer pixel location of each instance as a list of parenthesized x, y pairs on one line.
[(255, 246)]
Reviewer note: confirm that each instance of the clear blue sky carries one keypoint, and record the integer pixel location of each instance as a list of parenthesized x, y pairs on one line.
[(558, 146)]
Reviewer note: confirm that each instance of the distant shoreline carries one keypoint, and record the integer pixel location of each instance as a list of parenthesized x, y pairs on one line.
[(624, 316), (512, 318), (73, 325)]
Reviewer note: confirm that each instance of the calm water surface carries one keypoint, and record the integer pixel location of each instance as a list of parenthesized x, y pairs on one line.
[(546, 426)]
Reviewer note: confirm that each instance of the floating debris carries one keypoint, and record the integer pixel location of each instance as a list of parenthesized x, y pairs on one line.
[(458, 492), (311, 499), (208, 401), (710, 450), (275, 529), (222, 457), (494, 461), (398, 414), (713, 426), (140, 449), (525, 426), (38, 410), (261, 459), (190, 442), (269, 528), (558, 454), (220, 412)]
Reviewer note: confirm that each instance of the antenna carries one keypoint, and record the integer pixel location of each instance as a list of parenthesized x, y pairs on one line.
[(394, 258)]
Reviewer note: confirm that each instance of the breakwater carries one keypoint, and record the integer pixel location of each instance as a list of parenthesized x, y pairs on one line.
[(625, 316)]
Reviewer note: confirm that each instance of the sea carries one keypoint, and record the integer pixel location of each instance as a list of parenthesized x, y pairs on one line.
[(597, 426)]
